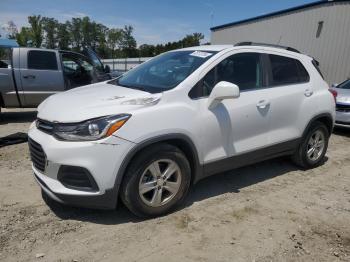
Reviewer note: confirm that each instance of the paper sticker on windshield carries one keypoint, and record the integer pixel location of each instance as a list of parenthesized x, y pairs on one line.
[(201, 54)]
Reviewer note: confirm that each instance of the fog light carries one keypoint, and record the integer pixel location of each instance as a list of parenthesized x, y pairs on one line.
[(77, 178)]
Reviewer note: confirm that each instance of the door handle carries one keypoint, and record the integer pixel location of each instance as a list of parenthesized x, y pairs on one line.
[(308, 92), (29, 76), (262, 104)]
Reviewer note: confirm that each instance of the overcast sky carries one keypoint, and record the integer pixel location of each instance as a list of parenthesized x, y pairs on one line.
[(154, 21)]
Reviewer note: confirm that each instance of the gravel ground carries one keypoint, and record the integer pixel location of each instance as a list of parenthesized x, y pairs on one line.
[(266, 212)]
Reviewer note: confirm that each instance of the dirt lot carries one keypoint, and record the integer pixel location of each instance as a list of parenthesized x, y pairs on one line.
[(267, 212)]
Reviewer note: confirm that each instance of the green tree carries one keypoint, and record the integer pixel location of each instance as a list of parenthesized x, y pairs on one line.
[(114, 37), (80, 32), (36, 29), (63, 36), (147, 50), (99, 39), (87, 31), (23, 36), (50, 27), (128, 42), (11, 28), (76, 33), (192, 40)]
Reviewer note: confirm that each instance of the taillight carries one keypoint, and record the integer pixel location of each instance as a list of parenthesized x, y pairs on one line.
[(334, 93)]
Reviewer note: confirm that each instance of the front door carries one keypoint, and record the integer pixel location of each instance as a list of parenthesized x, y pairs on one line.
[(235, 126)]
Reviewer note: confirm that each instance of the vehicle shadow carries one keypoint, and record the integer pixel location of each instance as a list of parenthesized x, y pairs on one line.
[(235, 180), (17, 117), (342, 131), (228, 182)]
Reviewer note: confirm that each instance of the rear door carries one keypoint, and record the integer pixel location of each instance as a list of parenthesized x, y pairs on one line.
[(41, 75), (8, 88), (290, 87)]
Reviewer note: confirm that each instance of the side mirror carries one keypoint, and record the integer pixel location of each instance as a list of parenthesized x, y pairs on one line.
[(222, 90), (334, 85), (107, 69)]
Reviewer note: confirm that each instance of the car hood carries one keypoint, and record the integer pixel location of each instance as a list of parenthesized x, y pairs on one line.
[(93, 101), (343, 96)]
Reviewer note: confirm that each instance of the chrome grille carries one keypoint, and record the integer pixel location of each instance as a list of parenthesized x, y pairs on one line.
[(343, 107), (37, 155)]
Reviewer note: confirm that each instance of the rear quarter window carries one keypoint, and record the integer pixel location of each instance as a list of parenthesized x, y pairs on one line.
[(286, 70)]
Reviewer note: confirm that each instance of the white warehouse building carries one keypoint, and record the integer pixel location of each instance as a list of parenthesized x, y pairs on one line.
[(320, 29)]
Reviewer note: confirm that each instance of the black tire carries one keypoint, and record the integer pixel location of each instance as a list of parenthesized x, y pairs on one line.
[(300, 157), (130, 186)]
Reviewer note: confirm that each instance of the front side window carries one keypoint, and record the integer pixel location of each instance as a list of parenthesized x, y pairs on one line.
[(163, 72), (243, 69), (74, 62), (42, 60), (77, 70), (287, 70)]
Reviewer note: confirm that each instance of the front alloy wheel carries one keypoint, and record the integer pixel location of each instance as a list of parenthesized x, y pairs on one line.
[(156, 181), (160, 182)]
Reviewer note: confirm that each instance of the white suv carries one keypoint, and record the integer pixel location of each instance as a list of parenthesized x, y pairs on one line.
[(184, 115)]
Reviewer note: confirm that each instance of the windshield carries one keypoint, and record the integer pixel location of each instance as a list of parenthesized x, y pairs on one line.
[(344, 85), (164, 72)]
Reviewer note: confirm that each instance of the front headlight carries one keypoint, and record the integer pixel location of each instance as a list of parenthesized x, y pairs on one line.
[(92, 129)]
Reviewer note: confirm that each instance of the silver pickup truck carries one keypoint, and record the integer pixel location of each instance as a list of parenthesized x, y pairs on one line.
[(29, 75)]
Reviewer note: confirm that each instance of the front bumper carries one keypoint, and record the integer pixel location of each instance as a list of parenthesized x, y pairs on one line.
[(101, 158)]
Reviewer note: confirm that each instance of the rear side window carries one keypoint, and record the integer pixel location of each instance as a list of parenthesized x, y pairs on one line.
[(42, 60), (287, 70)]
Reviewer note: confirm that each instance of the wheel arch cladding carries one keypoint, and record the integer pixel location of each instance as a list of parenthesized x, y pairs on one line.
[(325, 119), (183, 142)]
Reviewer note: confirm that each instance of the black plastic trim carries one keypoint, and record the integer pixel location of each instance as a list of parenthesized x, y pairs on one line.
[(196, 173), (317, 118), (2, 104), (106, 201), (110, 198), (69, 171), (277, 150), (288, 48)]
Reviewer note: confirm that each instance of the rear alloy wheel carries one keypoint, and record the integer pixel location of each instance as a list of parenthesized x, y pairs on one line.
[(313, 146), (156, 181)]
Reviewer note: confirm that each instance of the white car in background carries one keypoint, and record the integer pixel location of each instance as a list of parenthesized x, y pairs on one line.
[(342, 117), (184, 115)]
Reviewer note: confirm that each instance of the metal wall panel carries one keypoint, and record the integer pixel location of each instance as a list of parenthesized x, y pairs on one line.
[(298, 29)]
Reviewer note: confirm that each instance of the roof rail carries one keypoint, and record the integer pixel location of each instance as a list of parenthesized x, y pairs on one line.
[(270, 45)]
